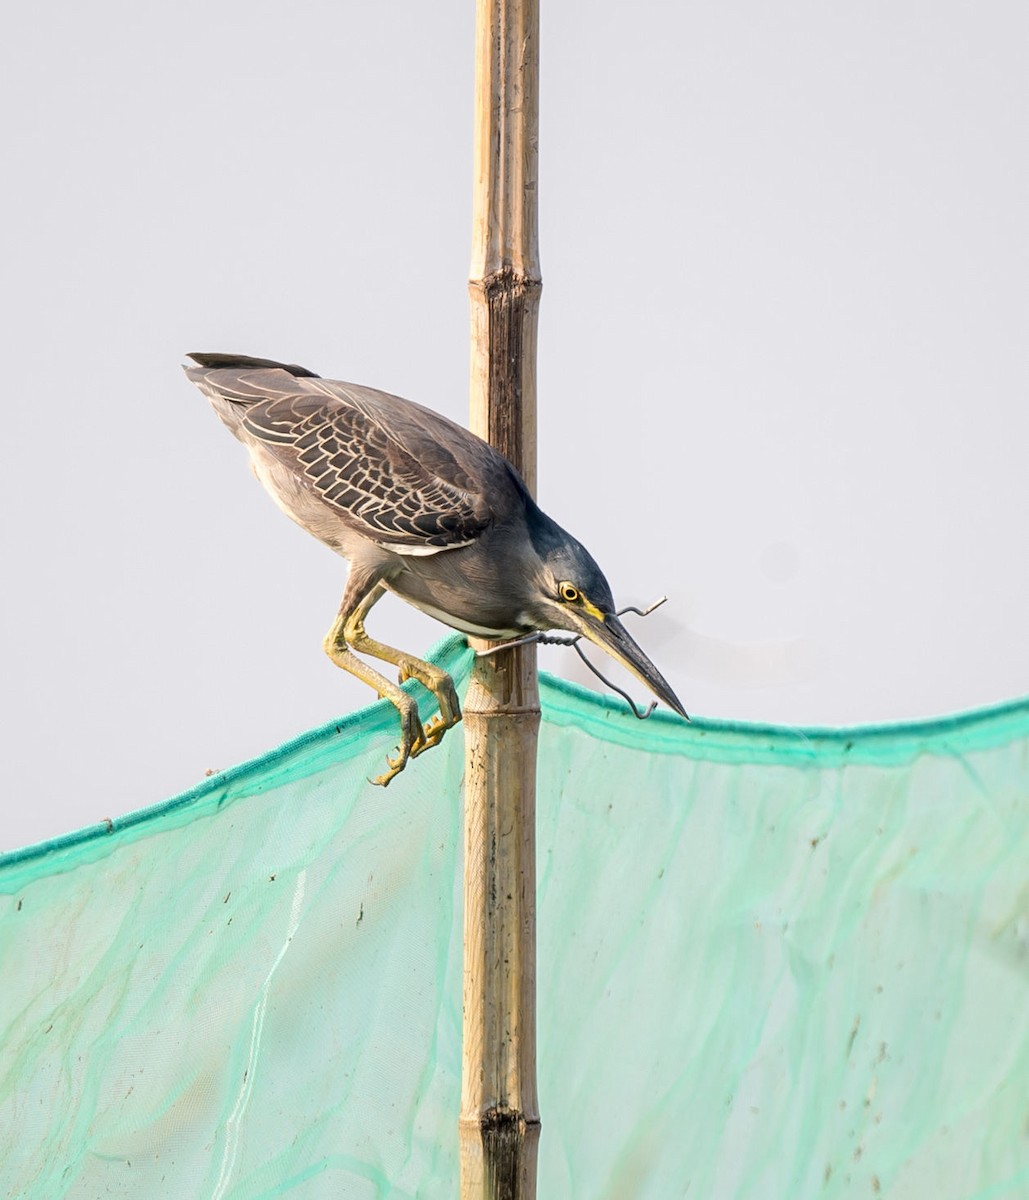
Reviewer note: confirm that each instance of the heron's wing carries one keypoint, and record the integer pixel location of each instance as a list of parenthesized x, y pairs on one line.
[(393, 471)]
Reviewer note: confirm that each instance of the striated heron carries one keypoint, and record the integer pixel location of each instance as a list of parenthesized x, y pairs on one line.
[(423, 508)]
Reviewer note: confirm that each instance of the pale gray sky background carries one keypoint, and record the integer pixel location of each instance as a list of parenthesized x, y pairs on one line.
[(785, 281)]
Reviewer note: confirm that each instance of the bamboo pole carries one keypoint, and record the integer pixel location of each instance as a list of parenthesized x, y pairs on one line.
[(499, 1125)]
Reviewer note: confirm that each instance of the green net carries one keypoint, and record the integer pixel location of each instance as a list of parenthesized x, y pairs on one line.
[(771, 963)]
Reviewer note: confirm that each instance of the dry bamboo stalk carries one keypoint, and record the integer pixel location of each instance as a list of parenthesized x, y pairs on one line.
[(499, 1124)]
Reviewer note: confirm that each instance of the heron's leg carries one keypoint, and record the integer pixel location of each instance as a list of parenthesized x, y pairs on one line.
[(429, 676), (337, 648)]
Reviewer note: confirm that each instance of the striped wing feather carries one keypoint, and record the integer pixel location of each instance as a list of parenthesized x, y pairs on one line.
[(395, 472)]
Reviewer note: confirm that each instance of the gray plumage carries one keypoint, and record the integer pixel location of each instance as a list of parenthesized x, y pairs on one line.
[(419, 506)]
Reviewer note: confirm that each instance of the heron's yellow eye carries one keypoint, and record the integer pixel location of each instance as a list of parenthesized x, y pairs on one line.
[(568, 592)]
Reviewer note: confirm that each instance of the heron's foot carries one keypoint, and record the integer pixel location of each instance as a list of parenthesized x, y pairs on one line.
[(442, 687), (434, 731), (412, 738), (395, 765)]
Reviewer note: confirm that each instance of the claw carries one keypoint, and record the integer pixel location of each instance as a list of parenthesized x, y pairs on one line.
[(416, 738), (432, 734), (412, 738), (396, 765), (436, 728)]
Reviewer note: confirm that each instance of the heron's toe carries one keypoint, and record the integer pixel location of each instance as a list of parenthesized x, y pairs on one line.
[(434, 730), (395, 766), (449, 705), (412, 741)]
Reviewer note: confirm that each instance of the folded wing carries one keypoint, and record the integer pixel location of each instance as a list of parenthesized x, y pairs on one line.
[(393, 471)]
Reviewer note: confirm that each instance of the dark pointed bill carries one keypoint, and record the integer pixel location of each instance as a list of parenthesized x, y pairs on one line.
[(613, 638)]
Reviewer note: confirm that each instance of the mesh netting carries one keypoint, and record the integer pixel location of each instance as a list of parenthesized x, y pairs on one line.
[(771, 963)]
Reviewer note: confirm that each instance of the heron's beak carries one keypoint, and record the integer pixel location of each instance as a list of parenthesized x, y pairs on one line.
[(613, 638)]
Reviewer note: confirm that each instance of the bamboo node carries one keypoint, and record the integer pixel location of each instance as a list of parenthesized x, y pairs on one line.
[(511, 281), (501, 1119)]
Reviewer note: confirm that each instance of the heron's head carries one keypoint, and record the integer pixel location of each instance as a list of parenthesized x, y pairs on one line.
[(571, 593)]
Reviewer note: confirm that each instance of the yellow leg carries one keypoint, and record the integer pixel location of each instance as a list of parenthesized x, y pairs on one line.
[(411, 667), (347, 635)]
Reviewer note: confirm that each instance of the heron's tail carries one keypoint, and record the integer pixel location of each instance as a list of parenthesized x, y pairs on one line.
[(233, 382), (244, 362)]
